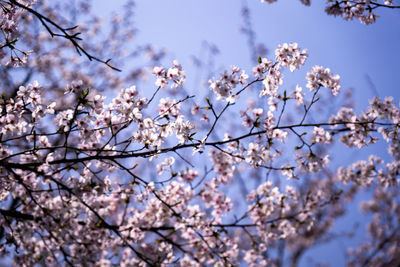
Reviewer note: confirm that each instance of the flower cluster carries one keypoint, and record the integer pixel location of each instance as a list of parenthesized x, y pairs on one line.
[(349, 10), (363, 125), (175, 74), (290, 56), (257, 154), (367, 173), (188, 175), (363, 10), (319, 76), (10, 17), (271, 82), (166, 107), (283, 209), (228, 81), (321, 136), (223, 164), (263, 66), (213, 198), (287, 55)]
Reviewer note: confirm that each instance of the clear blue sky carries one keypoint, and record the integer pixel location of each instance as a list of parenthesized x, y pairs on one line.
[(349, 48)]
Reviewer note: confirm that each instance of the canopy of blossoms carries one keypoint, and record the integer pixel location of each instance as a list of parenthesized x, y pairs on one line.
[(91, 179)]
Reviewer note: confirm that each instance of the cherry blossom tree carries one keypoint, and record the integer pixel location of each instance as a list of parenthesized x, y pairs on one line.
[(88, 178)]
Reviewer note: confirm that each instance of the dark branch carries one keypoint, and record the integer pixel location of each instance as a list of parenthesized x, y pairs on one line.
[(73, 38)]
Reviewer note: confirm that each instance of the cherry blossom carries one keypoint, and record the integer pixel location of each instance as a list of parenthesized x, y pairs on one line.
[(363, 10), (94, 173)]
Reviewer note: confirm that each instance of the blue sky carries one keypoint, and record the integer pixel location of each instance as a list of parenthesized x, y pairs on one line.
[(348, 48)]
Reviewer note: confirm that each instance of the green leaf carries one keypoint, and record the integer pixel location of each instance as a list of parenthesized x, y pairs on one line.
[(85, 92)]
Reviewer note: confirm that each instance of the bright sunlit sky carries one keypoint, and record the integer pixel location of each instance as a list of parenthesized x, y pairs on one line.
[(348, 48)]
